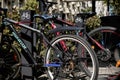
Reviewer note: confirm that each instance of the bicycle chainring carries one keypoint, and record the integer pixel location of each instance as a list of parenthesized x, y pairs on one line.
[(104, 55)]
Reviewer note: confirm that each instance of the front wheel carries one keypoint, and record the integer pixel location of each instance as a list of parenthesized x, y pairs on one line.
[(63, 61), (9, 61)]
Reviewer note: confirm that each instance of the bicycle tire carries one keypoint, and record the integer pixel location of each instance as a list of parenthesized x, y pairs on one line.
[(56, 75), (11, 58), (102, 28), (108, 37)]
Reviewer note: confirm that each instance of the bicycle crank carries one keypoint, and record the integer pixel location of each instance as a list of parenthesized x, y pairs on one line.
[(104, 55)]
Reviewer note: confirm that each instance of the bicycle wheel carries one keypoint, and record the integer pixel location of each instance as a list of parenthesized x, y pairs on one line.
[(107, 37), (63, 61), (9, 61)]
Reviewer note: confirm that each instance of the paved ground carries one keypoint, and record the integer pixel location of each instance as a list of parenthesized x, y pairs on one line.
[(102, 77), (104, 72)]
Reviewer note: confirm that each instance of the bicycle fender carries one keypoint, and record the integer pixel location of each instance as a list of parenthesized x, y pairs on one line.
[(66, 28)]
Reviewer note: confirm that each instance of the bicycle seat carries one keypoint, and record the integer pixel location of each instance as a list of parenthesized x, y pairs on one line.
[(86, 15)]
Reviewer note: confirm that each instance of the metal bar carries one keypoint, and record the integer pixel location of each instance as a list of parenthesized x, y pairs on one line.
[(93, 6), (108, 4)]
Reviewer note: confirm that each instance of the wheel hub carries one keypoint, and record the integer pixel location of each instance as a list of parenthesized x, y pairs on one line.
[(69, 67)]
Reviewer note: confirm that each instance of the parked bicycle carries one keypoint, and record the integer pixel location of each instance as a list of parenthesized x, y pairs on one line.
[(109, 37), (68, 27), (62, 60), (101, 39), (105, 41)]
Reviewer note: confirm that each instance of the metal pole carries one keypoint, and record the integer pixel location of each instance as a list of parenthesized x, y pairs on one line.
[(108, 4), (42, 5), (93, 6)]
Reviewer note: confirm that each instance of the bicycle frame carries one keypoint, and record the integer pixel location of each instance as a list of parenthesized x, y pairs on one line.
[(27, 54), (70, 25)]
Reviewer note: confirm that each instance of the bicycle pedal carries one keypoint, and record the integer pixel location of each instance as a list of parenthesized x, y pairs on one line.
[(43, 77), (118, 63), (52, 65)]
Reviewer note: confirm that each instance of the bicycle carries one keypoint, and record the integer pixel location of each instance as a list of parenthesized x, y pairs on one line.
[(61, 54), (109, 38), (66, 26), (96, 38), (60, 30), (102, 50), (105, 41)]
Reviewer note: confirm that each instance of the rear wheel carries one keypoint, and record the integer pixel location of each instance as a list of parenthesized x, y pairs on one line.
[(109, 38), (63, 61)]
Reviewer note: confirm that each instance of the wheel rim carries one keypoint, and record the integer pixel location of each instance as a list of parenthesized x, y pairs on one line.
[(62, 70)]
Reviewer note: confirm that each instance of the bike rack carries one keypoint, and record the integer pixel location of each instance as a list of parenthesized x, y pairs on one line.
[(29, 39), (26, 17)]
